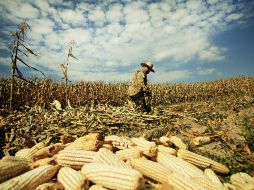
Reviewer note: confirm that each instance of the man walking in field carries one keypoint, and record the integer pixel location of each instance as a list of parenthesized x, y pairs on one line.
[(138, 88)]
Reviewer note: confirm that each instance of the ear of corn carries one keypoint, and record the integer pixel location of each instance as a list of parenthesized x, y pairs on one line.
[(90, 137), (207, 183), (213, 177), (91, 145), (11, 168), (30, 180), (151, 169), (48, 151), (127, 154), (242, 180), (168, 150), (72, 179), (46, 186), (119, 142), (165, 141), (201, 140), (148, 148), (24, 153), (44, 161), (75, 158), (202, 162), (178, 142), (108, 146), (179, 165), (229, 186), (97, 187), (105, 156), (113, 177)]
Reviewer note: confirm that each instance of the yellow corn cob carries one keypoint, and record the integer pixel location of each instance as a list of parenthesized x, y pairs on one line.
[(91, 145), (15, 159), (178, 142), (72, 179), (90, 137), (213, 177), (43, 162), (241, 180), (201, 140), (75, 158), (176, 164), (30, 180), (151, 169), (108, 146), (207, 183), (25, 153), (127, 154), (119, 142), (202, 162), (168, 150), (229, 186), (113, 177), (48, 151), (45, 186), (12, 167), (148, 148), (105, 156), (165, 141), (180, 182), (97, 187)]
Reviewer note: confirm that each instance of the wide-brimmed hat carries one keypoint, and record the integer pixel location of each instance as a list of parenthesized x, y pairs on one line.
[(149, 65)]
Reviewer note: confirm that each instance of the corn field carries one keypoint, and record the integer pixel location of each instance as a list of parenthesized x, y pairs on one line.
[(115, 94)]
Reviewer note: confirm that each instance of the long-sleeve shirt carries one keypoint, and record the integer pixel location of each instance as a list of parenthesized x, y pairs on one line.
[(138, 82)]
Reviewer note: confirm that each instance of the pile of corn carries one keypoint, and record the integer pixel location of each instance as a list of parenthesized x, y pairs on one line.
[(95, 162)]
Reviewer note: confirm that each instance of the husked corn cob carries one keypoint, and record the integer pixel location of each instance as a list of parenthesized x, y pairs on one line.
[(90, 137), (30, 180), (213, 177), (25, 153), (45, 186), (202, 162), (201, 140), (180, 182), (72, 179), (91, 145), (113, 177), (75, 158), (119, 142), (48, 151), (148, 148), (151, 169), (229, 186), (241, 180), (105, 156), (44, 161), (179, 165), (165, 141), (108, 146), (127, 154), (16, 159), (207, 183), (178, 142), (11, 168), (97, 187), (168, 150)]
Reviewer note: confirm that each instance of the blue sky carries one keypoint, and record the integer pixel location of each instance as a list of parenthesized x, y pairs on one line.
[(187, 41)]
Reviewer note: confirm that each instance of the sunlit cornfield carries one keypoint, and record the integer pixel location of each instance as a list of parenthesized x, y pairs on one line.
[(83, 93)]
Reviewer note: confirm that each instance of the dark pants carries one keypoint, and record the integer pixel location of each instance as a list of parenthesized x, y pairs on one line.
[(140, 102)]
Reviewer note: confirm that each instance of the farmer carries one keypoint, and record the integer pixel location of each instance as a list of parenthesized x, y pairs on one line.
[(138, 88)]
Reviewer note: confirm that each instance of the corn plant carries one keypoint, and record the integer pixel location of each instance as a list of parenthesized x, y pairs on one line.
[(19, 49), (65, 68)]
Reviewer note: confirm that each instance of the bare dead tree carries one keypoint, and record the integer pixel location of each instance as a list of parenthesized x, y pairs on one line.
[(19, 49), (64, 67)]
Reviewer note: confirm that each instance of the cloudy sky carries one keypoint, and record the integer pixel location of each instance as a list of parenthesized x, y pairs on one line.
[(186, 40)]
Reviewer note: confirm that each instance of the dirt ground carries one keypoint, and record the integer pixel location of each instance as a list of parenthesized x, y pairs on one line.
[(229, 124)]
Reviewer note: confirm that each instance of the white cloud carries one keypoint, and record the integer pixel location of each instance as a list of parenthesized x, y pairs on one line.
[(212, 54), (205, 71), (72, 16)]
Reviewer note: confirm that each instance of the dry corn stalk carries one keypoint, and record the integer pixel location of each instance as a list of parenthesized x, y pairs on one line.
[(148, 148), (72, 179), (213, 177), (97, 187), (242, 180), (75, 158), (30, 180), (179, 165), (168, 150), (198, 141), (178, 142), (151, 169), (119, 142), (165, 141), (127, 154), (202, 162), (105, 156), (11, 168), (113, 177)]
